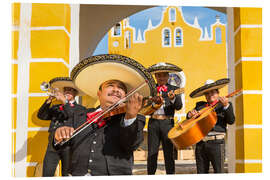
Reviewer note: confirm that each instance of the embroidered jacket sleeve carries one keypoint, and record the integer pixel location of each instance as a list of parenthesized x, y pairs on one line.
[(44, 112), (53, 113)]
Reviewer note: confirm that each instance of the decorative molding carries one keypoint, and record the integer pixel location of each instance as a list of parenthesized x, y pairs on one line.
[(38, 129), (248, 59), (51, 28), (17, 28), (248, 92), (13, 61), (247, 26), (249, 126), (37, 94), (248, 161), (34, 60)]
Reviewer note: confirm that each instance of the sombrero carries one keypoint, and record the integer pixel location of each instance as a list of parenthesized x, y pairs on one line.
[(92, 71), (164, 67), (208, 86), (61, 82)]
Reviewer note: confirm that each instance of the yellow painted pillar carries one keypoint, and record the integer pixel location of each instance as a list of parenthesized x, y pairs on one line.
[(15, 43), (40, 51), (248, 76)]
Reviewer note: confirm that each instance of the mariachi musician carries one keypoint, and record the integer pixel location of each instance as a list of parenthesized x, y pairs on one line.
[(162, 120), (212, 147), (106, 146), (65, 92)]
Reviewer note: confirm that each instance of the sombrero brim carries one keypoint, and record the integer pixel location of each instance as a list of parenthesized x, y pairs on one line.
[(164, 67), (91, 72), (208, 87), (61, 82)]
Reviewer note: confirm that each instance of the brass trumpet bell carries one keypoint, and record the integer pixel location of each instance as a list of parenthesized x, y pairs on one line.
[(44, 86)]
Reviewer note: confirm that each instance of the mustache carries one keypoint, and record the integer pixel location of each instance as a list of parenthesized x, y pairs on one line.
[(117, 94)]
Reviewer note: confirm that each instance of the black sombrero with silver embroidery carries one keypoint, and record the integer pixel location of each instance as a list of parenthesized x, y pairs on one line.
[(61, 82), (92, 71), (164, 67), (208, 86)]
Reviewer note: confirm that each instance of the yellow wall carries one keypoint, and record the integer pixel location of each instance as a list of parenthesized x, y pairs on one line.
[(50, 49), (200, 60), (248, 75)]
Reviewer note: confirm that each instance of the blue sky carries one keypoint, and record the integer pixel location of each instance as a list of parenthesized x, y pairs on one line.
[(205, 16)]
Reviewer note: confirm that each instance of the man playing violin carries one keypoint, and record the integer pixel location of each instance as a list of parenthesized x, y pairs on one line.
[(212, 147), (162, 120), (107, 150), (66, 93)]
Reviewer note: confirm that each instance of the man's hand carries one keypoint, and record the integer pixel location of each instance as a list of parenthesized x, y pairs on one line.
[(171, 95), (193, 114), (224, 101), (60, 96), (158, 99), (63, 133), (134, 105), (49, 100)]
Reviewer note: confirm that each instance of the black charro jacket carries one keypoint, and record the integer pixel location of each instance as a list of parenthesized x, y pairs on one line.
[(169, 107), (107, 150), (52, 113), (58, 116)]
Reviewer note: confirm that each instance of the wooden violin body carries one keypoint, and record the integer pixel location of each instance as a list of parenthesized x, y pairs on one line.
[(191, 131)]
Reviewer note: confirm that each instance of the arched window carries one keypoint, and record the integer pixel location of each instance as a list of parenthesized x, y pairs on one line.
[(166, 37), (127, 40), (218, 36), (178, 37), (117, 30), (172, 15)]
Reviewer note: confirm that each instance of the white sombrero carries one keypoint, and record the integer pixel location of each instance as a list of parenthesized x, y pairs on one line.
[(61, 82), (91, 72), (208, 86)]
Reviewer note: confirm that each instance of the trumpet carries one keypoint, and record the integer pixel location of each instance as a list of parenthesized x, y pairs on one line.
[(44, 86)]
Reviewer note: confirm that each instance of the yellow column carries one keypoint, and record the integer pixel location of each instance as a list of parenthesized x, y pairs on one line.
[(50, 45), (248, 76), (42, 53), (15, 43)]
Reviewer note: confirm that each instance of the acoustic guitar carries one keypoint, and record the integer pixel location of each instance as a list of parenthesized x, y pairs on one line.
[(191, 131)]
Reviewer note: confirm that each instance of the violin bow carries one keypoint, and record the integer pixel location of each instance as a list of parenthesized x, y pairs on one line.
[(100, 114)]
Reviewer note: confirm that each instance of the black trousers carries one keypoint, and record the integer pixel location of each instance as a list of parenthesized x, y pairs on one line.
[(51, 161), (211, 151), (158, 131)]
